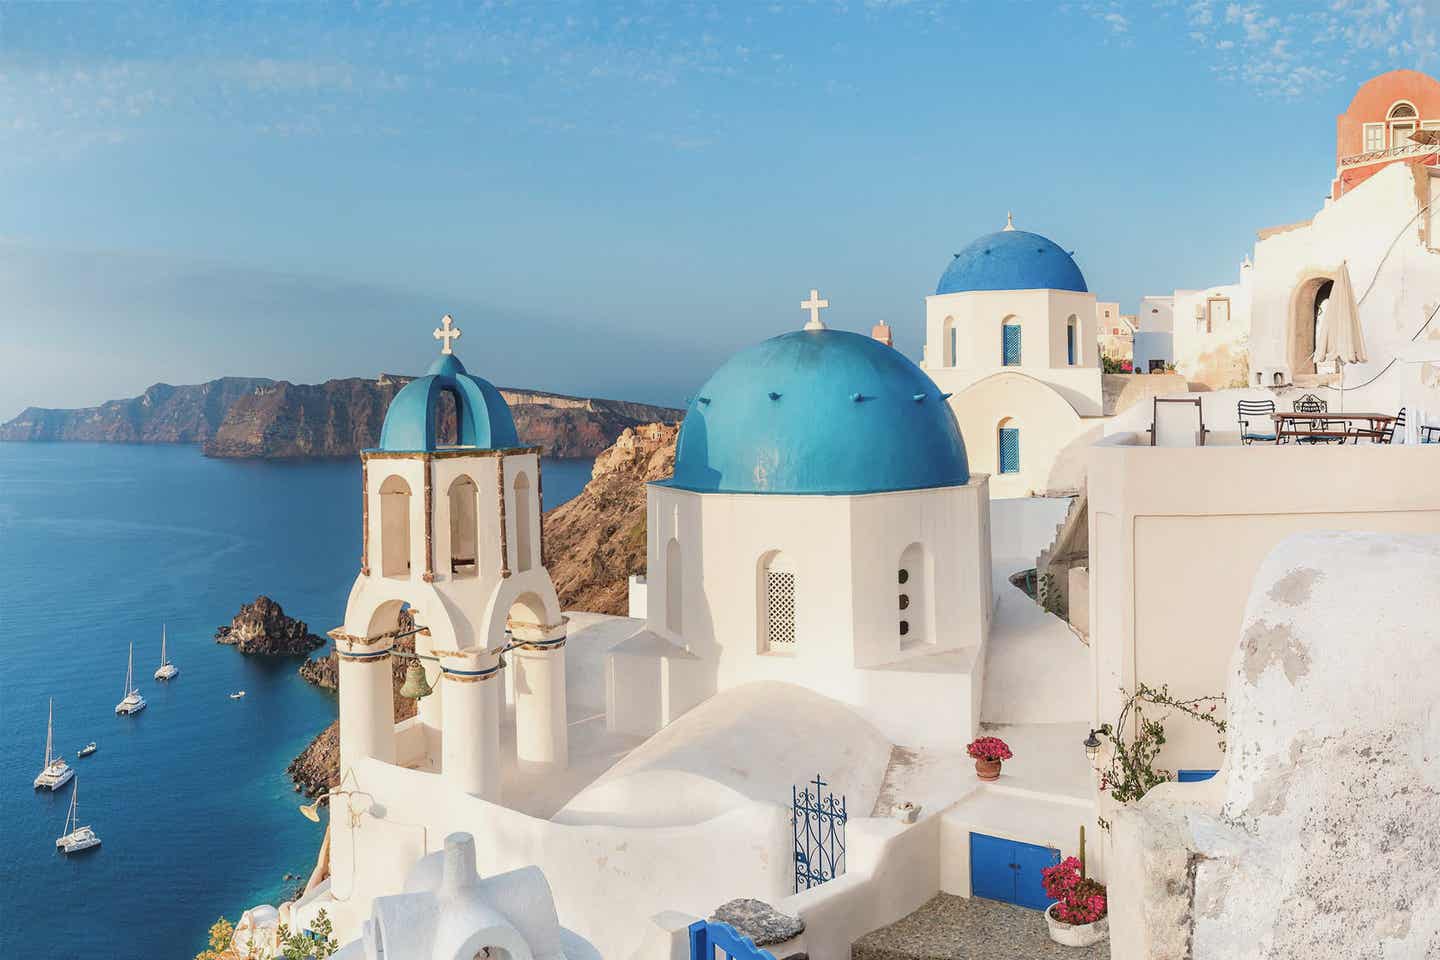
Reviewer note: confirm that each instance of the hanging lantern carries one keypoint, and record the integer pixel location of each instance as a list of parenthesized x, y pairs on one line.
[(415, 686)]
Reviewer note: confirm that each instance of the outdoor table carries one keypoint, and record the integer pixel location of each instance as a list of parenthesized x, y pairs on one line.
[(1301, 425)]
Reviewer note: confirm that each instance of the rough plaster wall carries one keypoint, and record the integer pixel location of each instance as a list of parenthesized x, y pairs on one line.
[(1321, 836)]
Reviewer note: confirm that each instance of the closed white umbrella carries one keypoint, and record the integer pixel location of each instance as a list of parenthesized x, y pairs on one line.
[(1340, 339)]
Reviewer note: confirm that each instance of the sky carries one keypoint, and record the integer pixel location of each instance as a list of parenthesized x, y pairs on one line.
[(612, 198)]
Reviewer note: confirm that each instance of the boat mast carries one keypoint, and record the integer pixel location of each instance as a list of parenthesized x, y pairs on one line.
[(50, 733), (162, 645), (74, 819), (130, 670)]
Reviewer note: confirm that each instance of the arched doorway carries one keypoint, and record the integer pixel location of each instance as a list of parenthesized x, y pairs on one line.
[(1305, 306)]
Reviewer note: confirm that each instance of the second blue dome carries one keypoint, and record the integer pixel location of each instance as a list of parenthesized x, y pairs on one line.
[(1012, 260)]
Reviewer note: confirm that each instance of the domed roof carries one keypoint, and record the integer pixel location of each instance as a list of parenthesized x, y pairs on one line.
[(1012, 259), (819, 412), (484, 419)]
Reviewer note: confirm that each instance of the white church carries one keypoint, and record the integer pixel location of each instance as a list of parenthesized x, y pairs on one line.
[(833, 597)]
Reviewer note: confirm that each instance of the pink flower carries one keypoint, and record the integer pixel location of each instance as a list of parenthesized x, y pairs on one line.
[(989, 748), (1078, 899)]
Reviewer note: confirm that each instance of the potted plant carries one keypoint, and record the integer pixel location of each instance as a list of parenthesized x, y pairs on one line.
[(1077, 918), (989, 753)]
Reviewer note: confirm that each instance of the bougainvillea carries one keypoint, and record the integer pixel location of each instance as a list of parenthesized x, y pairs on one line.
[(989, 748), (1077, 899)]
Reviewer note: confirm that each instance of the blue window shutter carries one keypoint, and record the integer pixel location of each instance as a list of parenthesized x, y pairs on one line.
[(1009, 449), (1012, 344), (1070, 344), (1194, 776)]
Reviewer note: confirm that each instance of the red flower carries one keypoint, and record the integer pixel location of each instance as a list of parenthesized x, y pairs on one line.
[(1078, 899), (989, 748)]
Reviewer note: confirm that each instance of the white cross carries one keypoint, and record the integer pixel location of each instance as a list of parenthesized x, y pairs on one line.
[(447, 331), (814, 305)]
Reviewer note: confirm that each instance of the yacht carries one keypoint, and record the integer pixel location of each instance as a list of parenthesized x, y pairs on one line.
[(86, 750), (133, 702), (237, 694), (56, 772), (167, 670), (76, 838)]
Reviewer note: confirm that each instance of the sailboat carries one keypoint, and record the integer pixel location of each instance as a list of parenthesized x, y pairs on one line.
[(167, 669), (76, 837), (56, 772), (133, 702)]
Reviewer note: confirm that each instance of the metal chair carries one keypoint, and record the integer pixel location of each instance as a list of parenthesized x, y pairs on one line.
[(1310, 403), (1180, 427), (1262, 411), (1387, 435)]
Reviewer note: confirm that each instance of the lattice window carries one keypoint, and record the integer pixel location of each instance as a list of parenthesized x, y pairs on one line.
[(1009, 450), (779, 607), (1011, 352)]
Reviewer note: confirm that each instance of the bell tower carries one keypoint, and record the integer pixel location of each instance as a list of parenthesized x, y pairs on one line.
[(452, 540)]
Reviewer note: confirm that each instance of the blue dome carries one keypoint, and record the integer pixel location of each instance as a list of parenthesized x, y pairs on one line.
[(819, 412), (1012, 260), (484, 417)]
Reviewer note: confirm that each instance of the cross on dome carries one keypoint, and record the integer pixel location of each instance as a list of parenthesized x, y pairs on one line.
[(447, 331), (1009, 221), (814, 305)]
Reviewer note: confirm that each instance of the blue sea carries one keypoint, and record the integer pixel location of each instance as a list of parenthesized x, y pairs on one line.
[(99, 545)]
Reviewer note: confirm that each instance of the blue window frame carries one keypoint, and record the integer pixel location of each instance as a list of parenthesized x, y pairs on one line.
[(1009, 449), (1070, 344), (1194, 776), (1011, 351)]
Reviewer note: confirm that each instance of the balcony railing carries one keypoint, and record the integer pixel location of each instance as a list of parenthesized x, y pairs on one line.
[(1394, 153)]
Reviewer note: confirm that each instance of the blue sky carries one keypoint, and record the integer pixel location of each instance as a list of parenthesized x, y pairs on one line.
[(611, 199)]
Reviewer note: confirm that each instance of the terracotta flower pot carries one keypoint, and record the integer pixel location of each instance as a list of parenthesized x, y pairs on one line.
[(988, 769)]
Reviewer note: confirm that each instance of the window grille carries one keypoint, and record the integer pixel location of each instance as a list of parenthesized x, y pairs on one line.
[(780, 609), (1009, 450), (1012, 344)]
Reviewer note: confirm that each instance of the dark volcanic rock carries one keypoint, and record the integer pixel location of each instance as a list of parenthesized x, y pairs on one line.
[(759, 921), (162, 414), (262, 627)]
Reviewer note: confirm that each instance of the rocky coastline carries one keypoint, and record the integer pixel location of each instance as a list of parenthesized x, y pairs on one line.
[(262, 628)]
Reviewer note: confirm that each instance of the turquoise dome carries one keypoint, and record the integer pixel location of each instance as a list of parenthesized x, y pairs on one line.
[(1012, 260), (484, 417), (819, 412)]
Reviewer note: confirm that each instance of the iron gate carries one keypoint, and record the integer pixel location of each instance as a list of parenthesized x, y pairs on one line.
[(818, 823)]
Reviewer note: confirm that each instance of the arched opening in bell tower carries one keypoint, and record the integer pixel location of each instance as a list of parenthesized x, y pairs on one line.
[(395, 527), (464, 530), (524, 538)]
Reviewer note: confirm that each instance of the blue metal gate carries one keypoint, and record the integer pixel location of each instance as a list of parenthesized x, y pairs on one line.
[(707, 936), (818, 822), (1007, 870)]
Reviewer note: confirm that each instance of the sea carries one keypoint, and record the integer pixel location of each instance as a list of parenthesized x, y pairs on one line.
[(101, 544)]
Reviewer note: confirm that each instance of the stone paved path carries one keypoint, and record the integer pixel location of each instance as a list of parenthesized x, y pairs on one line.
[(961, 928)]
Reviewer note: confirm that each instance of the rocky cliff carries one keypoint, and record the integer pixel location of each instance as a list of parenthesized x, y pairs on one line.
[(262, 627), (162, 414), (596, 541), (247, 417)]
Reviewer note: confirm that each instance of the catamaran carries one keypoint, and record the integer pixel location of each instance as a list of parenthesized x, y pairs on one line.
[(76, 837), (133, 702), (56, 772), (167, 669)]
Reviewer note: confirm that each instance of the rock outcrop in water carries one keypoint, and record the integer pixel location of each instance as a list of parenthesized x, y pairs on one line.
[(262, 627), (260, 418), (596, 541)]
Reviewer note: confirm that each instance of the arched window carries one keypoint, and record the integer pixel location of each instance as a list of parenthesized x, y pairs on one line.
[(948, 345), (674, 588), (464, 532), (1402, 119), (1008, 444), (913, 611), (1072, 340), (394, 527), (523, 538), (1010, 342), (777, 604)]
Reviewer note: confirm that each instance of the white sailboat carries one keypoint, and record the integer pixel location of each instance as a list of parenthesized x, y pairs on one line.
[(76, 837), (133, 702), (167, 669), (56, 772)]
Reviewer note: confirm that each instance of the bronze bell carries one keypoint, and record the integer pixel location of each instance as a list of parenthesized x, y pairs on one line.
[(416, 685)]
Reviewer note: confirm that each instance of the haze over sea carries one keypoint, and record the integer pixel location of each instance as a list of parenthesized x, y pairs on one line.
[(100, 544)]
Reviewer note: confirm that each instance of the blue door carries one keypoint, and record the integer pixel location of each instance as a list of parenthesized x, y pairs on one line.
[(1009, 871), (1194, 776), (1011, 345)]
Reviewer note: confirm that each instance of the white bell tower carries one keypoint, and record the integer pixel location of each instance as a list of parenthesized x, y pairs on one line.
[(452, 529)]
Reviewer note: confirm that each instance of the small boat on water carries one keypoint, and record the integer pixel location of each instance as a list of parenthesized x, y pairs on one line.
[(56, 772), (237, 694), (133, 702), (77, 837), (86, 750), (167, 670)]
